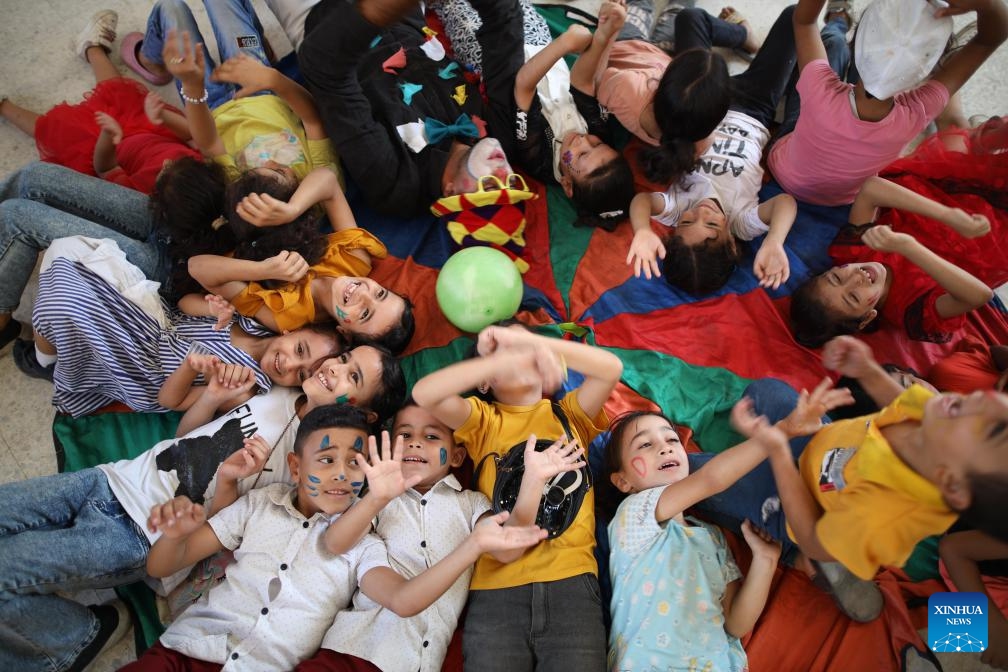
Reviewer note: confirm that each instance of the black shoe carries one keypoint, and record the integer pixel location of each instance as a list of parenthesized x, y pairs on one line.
[(11, 331), (113, 624), (24, 358)]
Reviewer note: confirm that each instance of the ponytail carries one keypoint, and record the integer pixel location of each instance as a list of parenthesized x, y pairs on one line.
[(602, 197), (691, 100)]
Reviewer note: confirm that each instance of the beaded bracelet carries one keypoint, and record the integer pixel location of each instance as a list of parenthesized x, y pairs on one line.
[(195, 101)]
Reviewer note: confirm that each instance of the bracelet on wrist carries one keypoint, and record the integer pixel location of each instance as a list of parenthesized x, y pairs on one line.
[(195, 101)]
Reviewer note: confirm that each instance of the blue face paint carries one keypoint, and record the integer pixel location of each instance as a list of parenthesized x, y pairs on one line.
[(444, 457), (314, 479), (342, 477), (358, 444), (312, 488), (313, 494), (342, 399), (356, 485), (341, 314), (325, 442)]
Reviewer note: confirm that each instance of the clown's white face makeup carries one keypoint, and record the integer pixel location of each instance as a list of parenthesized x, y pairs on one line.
[(486, 157)]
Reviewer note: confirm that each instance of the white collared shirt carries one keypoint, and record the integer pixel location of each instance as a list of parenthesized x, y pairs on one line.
[(419, 530), (282, 591)]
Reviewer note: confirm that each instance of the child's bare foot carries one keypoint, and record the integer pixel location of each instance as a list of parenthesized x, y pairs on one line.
[(731, 15)]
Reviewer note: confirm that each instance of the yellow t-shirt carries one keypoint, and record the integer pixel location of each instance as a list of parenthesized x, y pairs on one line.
[(496, 428), (267, 123), (292, 304), (876, 508)]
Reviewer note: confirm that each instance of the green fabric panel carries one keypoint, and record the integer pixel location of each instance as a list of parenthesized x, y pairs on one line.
[(699, 397), (923, 562), (567, 242), (147, 625), (109, 437), (419, 364)]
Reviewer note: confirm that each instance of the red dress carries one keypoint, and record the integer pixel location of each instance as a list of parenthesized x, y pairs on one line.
[(67, 134), (974, 181)]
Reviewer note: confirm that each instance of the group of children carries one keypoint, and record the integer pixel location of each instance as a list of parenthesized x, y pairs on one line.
[(360, 549)]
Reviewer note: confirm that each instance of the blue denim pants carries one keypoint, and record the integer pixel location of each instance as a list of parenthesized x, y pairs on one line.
[(555, 625), (236, 29), (754, 496), (42, 202), (65, 532)]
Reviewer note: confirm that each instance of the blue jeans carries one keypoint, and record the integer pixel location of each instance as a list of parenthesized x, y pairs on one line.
[(834, 37), (555, 625), (754, 496), (65, 532), (42, 202), (236, 29)]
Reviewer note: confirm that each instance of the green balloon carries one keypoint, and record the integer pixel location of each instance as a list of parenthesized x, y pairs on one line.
[(478, 286)]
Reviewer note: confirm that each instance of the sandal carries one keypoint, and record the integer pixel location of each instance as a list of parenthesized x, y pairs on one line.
[(129, 50), (957, 41), (845, 7), (732, 15), (100, 31)]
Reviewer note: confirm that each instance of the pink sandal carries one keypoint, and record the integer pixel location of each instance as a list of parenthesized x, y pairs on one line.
[(128, 51)]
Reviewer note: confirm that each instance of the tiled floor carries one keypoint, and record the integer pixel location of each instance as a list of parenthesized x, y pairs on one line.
[(38, 70)]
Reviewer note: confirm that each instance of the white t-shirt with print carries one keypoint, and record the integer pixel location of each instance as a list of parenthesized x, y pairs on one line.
[(729, 172), (188, 465)]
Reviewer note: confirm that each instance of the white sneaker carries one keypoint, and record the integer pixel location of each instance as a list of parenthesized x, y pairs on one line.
[(99, 32)]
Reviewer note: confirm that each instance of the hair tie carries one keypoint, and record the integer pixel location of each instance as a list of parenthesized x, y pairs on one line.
[(611, 214), (218, 223)]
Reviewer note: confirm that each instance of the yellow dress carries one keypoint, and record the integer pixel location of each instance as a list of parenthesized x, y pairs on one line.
[(292, 304)]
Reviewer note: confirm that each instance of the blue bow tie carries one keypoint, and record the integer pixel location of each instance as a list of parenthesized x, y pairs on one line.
[(463, 127)]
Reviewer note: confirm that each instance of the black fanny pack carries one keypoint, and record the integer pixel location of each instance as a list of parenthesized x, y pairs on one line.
[(562, 496)]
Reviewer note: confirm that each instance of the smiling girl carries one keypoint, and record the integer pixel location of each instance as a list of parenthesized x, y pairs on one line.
[(284, 292)]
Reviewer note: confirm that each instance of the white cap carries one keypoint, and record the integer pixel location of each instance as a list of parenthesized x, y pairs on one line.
[(897, 45)]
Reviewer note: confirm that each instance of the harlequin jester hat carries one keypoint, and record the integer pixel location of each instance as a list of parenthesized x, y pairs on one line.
[(491, 217)]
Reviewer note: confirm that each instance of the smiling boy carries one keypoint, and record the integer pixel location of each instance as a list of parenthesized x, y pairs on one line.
[(281, 592)]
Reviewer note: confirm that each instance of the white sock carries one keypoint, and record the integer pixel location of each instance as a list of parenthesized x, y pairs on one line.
[(44, 359)]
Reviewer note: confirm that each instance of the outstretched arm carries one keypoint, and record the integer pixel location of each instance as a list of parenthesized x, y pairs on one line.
[(646, 247), (383, 472), (253, 76), (771, 264), (878, 192), (853, 358), (574, 40), (410, 597), (601, 369), (187, 66), (992, 30), (186, 537), (742, 607), (589, 66), (808, 43), (965, 292)]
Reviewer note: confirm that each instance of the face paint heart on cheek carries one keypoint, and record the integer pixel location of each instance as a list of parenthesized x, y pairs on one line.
[(639, 466)]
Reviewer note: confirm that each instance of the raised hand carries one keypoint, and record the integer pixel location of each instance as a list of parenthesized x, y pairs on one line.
[(245, 462), (883, 239), (182, 60), (220, 308), (107, 123), (201, 363), (264, 210), (154, 107), (287, 266), (563, 455), (744, 420), (645, 250), (231, 380), (760, 542), (491, 535), (177, 518), (848, 356), (494, 337), (967, 225), (249, 73), (384, 469), (611, 17), (771, 265), (806, 418)]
